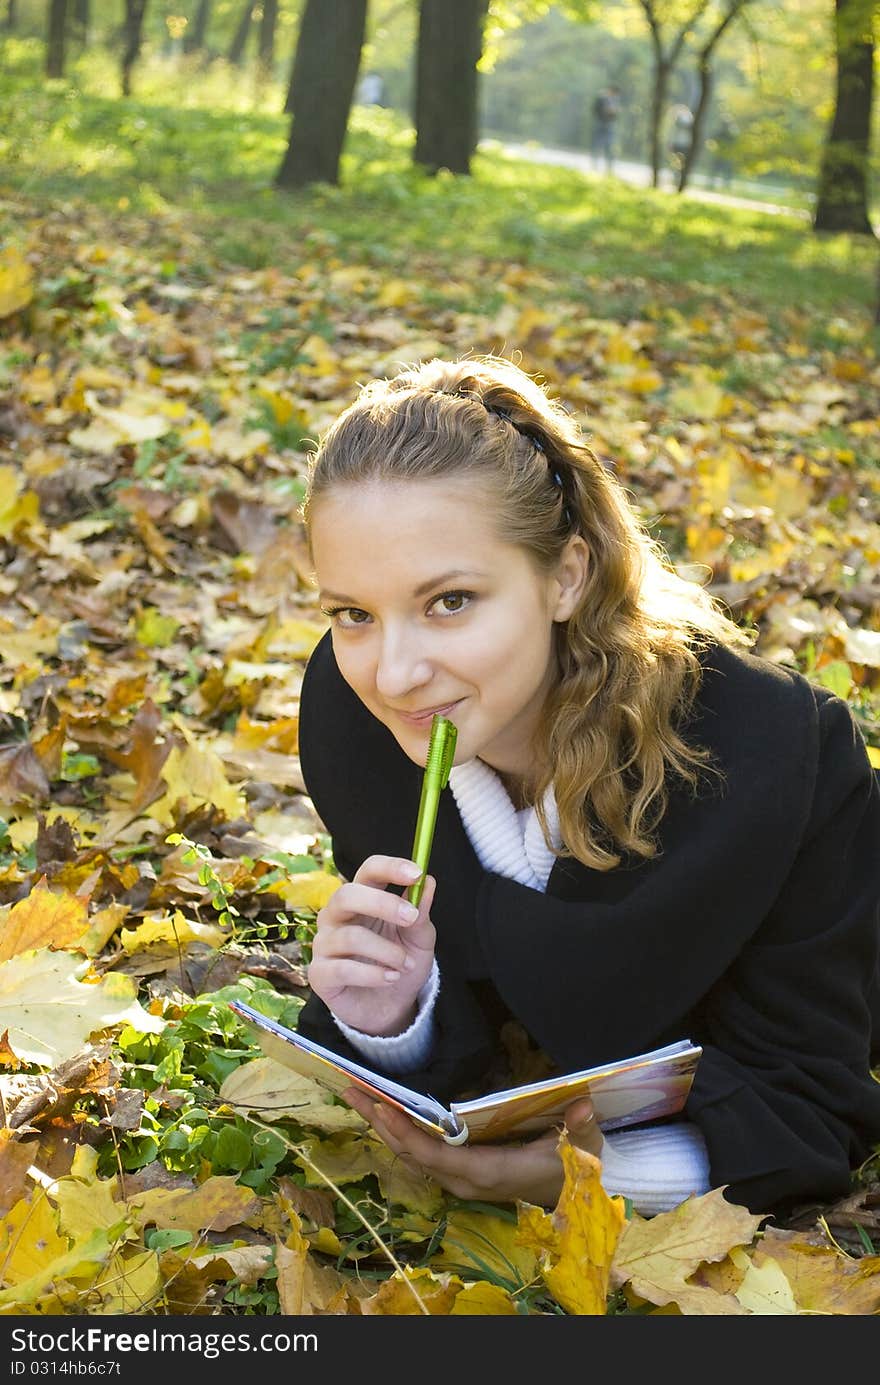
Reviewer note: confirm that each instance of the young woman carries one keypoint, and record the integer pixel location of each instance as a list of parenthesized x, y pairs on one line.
[(649, 833)]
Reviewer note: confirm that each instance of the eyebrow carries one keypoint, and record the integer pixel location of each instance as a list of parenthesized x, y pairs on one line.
[(421, 590)]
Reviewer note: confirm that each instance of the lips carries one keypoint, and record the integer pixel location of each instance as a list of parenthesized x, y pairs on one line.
[(425, 718)]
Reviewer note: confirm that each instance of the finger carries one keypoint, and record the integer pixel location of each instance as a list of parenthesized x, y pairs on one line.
[(325, 977), (362, 945), (579, 1113), (387, 870), (366, 901)]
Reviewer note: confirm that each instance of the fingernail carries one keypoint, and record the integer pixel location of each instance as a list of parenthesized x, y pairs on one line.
[(409, 963), (407, 913), (411, 870), (392, 975)]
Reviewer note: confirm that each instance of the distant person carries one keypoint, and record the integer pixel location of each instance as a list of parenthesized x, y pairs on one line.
[(606, 109), (720, 145), (681, 134), (371, 90)]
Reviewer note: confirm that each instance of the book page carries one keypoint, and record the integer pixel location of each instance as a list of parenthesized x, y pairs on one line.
[(623, 1094)]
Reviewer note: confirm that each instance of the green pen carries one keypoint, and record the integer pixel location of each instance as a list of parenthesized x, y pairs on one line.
[(441, 749)]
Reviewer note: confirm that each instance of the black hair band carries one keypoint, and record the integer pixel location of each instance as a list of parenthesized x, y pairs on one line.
[(539, 447)]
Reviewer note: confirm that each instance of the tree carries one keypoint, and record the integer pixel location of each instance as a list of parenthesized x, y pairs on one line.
[(194, 39), (11, 16), (325, 66), (732, 9), (56, 38), (82, 21), (239, 39), (450, 42), (132, 34), (666, 55), (268, 24), (842, 198)]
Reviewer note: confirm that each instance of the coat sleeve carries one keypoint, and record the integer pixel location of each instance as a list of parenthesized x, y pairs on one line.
[(784, 1093)]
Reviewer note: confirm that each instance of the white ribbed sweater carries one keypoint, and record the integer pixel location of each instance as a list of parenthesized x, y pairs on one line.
[(657, 1167)]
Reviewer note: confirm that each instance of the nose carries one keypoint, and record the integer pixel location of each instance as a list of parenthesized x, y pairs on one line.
[(402, 665)]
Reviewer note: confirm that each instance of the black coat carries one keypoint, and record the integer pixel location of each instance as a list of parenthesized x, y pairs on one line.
[(754, 932)]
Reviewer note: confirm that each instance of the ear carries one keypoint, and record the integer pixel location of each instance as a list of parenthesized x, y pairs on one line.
[(571, 577)]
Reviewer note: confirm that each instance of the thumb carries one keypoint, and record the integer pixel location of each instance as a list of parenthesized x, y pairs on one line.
[(582, 1127)]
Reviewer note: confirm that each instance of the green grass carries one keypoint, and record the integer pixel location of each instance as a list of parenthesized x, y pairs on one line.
[(206, 146)]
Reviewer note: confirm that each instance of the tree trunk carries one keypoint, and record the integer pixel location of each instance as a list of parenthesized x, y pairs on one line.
[(11, 16), (662, 73), (240, 37), (325, 66), (707, 79), (842, 196), (449, 46), (82, 21), (704, 69), (194, 38), (131, 38), (268, 25), (56, 38)]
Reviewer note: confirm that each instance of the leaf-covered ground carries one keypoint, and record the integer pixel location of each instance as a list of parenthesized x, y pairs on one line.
[(158, 854)]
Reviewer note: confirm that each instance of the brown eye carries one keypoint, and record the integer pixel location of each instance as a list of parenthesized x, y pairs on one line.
[(450, 603)]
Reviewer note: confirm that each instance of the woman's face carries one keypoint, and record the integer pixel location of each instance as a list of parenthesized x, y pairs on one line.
[(432, 612)]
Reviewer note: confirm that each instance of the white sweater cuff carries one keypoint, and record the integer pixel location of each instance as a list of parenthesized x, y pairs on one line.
[(401, 1052), (656, 1167)]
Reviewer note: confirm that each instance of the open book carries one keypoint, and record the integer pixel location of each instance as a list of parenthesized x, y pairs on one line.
[(628, 1092)]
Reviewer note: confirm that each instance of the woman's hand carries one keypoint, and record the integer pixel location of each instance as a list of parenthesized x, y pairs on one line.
[(373, 951), (527, 1172)]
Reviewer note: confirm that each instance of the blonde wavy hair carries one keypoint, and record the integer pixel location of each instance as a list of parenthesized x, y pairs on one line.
[(610, 735)]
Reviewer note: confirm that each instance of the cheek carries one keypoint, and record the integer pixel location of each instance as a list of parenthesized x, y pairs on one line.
[(354, 664)]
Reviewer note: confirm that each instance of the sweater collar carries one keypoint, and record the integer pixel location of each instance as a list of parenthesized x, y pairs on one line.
[(508, 842)]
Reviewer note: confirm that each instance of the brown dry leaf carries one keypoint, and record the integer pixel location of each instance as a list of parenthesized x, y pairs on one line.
[(145, 757), (822, 1280), (22, 777), (656, 1257), (16, 1157), (575, 1243), (304, 1285)]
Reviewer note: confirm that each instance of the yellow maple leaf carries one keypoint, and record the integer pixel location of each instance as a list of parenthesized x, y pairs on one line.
[(215, 1205), (170, 928), (763, 1289), (308, 889), (195, 776), (16, 506), (29, 1238), (50, 1013), (43, 919), (477, 1242), (131, 1282), (484, 1300), (822, 1279), (16, 282), (275, 1092), (575, 1243), (412, 1292), (656, 1257)]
